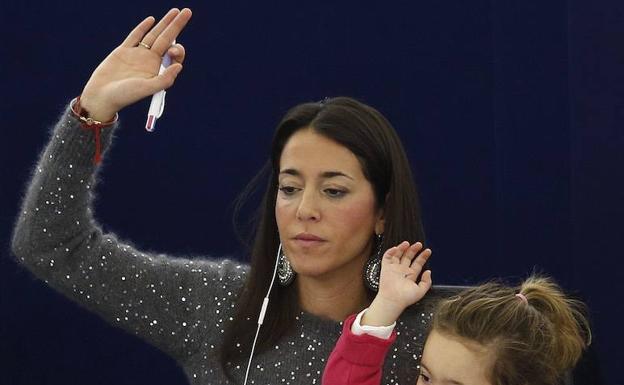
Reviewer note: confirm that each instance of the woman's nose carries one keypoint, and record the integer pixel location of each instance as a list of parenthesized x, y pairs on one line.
[(308, 209)]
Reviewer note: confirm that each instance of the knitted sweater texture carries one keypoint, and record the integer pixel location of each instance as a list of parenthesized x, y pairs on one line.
[(180, 305)]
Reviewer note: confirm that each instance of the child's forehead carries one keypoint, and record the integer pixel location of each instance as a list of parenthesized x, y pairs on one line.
[(456, 360)]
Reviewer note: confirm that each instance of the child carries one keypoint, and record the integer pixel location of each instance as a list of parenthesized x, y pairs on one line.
[(488, 335)]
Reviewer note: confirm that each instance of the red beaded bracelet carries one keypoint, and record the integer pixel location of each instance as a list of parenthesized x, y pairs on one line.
[(90, 124)]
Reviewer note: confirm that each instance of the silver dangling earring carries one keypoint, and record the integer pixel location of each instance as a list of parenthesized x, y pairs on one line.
[(372, 269), (285, 273)]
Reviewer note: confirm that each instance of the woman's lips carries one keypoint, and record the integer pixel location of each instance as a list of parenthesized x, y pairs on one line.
[(308, 240), (308, 243)]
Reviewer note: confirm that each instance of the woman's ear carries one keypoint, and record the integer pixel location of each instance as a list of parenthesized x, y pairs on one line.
[(380, 223), (379, 227)]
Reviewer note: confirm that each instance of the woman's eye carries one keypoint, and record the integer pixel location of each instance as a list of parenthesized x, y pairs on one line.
[(425, 378), (288, 190), (335, 193)]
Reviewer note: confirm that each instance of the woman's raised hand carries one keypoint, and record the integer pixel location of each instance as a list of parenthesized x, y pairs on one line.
[(400, 267), (130, 72)]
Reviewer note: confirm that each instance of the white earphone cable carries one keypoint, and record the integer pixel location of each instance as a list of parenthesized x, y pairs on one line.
[(265, 304)]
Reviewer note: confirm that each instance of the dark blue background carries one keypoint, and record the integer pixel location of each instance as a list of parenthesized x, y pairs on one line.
[(511, 112)]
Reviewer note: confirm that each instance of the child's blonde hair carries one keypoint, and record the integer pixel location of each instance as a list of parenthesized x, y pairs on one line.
[(537, 333)]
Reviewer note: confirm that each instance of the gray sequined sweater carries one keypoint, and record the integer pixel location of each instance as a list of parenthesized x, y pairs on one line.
[(182, 306)]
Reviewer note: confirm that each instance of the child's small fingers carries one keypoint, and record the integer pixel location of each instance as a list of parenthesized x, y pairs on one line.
[(400, 250), (409, 254), (426, 277), (422, 258), (403, 246), (389, 253), (390, 256), (425, 281)]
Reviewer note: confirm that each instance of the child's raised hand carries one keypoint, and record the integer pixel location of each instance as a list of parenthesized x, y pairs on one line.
[(400, 267)]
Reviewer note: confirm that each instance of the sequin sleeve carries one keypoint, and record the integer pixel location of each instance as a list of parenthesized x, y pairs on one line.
[(173, 303)]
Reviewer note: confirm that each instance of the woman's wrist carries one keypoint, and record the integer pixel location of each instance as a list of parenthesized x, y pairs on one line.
[(88, 122), (95, 110)]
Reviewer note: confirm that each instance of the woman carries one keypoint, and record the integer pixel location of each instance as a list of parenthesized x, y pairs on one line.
[(339, 192)]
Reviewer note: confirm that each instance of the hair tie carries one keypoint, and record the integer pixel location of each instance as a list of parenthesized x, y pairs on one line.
[(523, 298)]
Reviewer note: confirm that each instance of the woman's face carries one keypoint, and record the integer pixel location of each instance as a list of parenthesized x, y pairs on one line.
[(325, 207), (450, 360)]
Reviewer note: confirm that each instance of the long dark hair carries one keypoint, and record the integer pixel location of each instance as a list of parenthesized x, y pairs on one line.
[(373, 140)]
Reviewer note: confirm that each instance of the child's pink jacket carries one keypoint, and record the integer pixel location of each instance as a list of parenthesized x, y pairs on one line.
[(356, 359)]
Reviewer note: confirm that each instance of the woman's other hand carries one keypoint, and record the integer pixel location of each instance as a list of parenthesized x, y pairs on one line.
[(130, 72)]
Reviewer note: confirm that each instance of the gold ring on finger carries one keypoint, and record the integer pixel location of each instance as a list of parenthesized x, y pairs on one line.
[(145, 45)]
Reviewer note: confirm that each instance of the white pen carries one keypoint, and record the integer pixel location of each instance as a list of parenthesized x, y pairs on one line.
[(157, 105)]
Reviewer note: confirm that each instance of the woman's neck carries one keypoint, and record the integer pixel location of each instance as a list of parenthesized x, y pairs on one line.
[(332, 297)]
